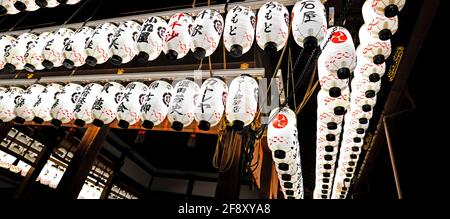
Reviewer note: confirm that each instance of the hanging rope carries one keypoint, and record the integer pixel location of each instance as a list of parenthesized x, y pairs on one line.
[(19, 21)]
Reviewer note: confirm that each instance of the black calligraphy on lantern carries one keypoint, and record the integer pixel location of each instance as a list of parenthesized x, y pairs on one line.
[(267, 27), (309, 16), (98, 104), (197, 30)]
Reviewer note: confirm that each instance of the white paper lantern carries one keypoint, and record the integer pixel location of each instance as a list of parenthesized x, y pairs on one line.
[(374, 49), (378, 25), (73, 51), (370, 89), (239, 31), (178, 38), (156, 103), (360, 114), (83, 108), (242, 101), (206, 33), (44, 102), (272, 27), (97, 47), (26, 5), (62, 109), (33, 56), (25, 102), (15, 55), (7, 103), (326, 116), (5, 45), (7, 7), (106, 103), (211, 103), (282, 134), (129, 110), (47, 3), (337, 104), (329, 81), (355, 123), (53, 51), (359, 100), (123, 45), (182, 105), (367, 69), (388, 8), (309, 23), (150, 40)]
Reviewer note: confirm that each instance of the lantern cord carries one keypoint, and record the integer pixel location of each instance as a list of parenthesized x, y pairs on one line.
[(291, 75), (76, 12), (309, 91), (210, 66), (200, 64), (19, 21)]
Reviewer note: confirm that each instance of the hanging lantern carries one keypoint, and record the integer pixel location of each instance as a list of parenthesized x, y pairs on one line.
[(105, 106), (44, 102), (379, 26), (355, 123), (26, 5), (123, 45), (62, 109), (242, 101), (150, 40), (178, 36), (97, 47), (15, 54), (33, 56), (206, 33), (7, 103), (239, 32), (330, 81), (73, 51), (368, 69), (5, 45), (25, 102), (309, 23), (211, 103), (338, 105), (7, 7), (129, 110), (359, 100), (53, 51), (326, 116), (156, 103), (68, 2), (362, 116), (47, 3), (272, 27), (182, 105), (282, 134), (370, 89), (388, 8), (83, 108), (371, 48)]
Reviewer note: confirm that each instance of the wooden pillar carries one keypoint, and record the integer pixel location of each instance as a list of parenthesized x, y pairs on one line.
[(82, 161)]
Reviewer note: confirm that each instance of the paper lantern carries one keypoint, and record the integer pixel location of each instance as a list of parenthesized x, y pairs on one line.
[(242, 101), (337, 104), (326, 116), (150, 40), (373, 49), (129, 110), (25, 102), (329, 81), (309, 23), (355, 123), (156, 103), (73, 51), (388, 8), (44, 102), (53, 52), (7, 103), (5, 45), (360, 114), (123, 45), (368, 69), (239, 31), (105, 106), (206, 33), (33, 56), (211, 103), (7, 7), (370, 89), (182, 105), (62, 110), (97, 47), (272, 27), (282, 134), (15, 54), (47, 3), (359, 100), (178, 38), (378, 25), (26, 5), (83, 108)]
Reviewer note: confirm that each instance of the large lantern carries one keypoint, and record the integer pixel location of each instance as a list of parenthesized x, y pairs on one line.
[(8, 99), (150, 40), (74, 52), (53, 51), (15, 54), (7, 7), (272, 27), (26, 5), (83, 108), (44, 102), (178, 36), (239, 31), (309, 23), (282, 134), (106, 103), (25, 103), (47, 3), (62, 109), (33, 56), (156, 103), (367, 69), (211, 103), (97, 47), (129, 110), (206, 33), (373, 49), (378, 25), (388, 8), (123, 45), (242, 101), (182, 105), (5, 44)]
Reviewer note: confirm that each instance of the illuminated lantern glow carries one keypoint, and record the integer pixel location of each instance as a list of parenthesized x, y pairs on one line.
[(83, 108), (206, 33), (97, 47), (239, 31), (5, 44), (62, 109), (272, 27), (177, 40), (47, 3), (123, 45), (371, 48), (129, 110), (53, 52), (7, 7), (150, 40), (327, 117), (367, 69), (388, 8), (25, 102), (8, 101), (156, 103), (211, 103), (329, 81), (309, 23), (370, 89), (26, 5), (105, 106), (74, 53), (359, 100), (44, 103), (379, 26), (242, 101), (182, 105), (338, 105), (15, 54), (33, 56)]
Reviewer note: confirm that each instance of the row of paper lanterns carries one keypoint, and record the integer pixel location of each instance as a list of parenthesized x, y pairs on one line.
[(16, 6)]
